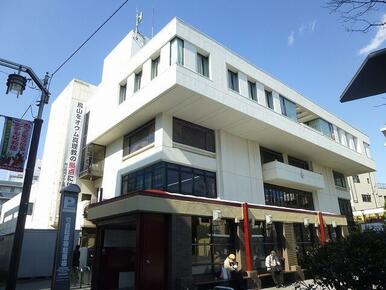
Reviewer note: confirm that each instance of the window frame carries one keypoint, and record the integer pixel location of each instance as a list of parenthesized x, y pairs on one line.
[(339, 179), (155, 62), (293, 161), (127, 138), (264, 150), (180, 47), (122, 93), (252, 90), (233, 80), (366, 197), (137, 81), (202, 62), (269, 99), (284, 103)]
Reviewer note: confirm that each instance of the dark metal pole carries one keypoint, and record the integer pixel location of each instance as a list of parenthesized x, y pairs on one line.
[(25, 194)]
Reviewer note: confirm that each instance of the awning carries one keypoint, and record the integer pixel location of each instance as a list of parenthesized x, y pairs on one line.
[(379, 210), (369, 80)]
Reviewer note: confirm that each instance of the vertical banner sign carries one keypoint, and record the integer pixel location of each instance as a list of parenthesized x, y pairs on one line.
[(15, 143), (74, 144), (65, 240)]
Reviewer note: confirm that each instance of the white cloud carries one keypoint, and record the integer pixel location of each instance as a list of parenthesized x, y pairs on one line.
[(377, 40), (313, 25), (291, 38), (302, 28)]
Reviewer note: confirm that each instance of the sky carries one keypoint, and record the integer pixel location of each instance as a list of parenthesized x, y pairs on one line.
[(298, 42)]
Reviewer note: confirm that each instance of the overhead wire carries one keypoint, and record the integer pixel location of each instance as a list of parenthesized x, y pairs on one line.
[(84, 42)]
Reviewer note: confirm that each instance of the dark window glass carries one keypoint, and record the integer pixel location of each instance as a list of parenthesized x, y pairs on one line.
[(86, 196), (212, 242), (346, 210), (339, 179), (288, 108), (193, 135), (268, 155), (155, 67), (137, 81), (252, 90), (366, 197), (139, 138), (233, 80), (203, 65), (173, 178), (356, 179), (269, 99), (122, 93), (287, 197), (298, 163), (306, 238)]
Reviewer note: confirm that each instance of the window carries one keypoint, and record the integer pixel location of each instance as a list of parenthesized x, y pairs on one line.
[(177, 51), (139, 138), (322, 126), (366, 197), (339, 179), (86, 196), (264, 239), (356, 179), (287, 197), (298, 163), (193, 135), (203, 65), (269, 99), (305, 239), (268, 155), (154, 67), (368, 180), (233, 81), (212, 242), (137, 81), (122, 93), (346, 210), (172, 178), (252, 90), (367, 149), (288, 108)]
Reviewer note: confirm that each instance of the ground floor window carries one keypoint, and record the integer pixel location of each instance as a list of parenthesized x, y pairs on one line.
[(306, 238), (333, 233), (264, 239), (212, 242), (172, 178), (287, 197)]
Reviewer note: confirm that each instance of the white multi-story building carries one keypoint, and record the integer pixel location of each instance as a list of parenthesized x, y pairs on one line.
[(193, 153)]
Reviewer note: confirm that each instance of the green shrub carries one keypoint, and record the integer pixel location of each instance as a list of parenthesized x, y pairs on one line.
[(357, 263)]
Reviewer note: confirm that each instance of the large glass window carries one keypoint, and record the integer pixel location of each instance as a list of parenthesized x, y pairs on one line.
[(269, 99), (264, 239), (139, 138), (193, 135), (366, 197), (346, 210), (155, 67), (339, 179), (177, 51), (122, 93), (306, 238), (212, 242), (287, 197), (268, 155), (252, 90), (322, 126), (172, 178), (298, 163), (233, 80), (203, 64), (288, 108), (137, 81)]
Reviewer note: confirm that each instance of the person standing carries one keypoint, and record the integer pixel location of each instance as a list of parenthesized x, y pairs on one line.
[(274, 265)]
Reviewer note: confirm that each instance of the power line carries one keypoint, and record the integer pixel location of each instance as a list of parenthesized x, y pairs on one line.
[(87, 40)]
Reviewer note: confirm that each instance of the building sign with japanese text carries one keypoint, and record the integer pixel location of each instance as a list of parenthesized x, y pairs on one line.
[(15, 143), (74, 143)]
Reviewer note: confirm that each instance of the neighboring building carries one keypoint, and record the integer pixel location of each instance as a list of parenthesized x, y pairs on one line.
[(367, 197), (189, 153), (19, 176), (8, 189)]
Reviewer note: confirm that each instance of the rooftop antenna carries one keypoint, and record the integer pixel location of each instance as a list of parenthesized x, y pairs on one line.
[(138, 20)]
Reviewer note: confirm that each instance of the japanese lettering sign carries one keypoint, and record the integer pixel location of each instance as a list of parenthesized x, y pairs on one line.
[(15, 143), (74, 144)]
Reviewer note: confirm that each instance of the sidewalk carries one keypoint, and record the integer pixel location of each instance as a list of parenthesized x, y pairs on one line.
[(40, 284), (291, 287)]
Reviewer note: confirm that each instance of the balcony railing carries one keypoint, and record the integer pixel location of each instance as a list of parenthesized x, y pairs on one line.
[(92, 162)]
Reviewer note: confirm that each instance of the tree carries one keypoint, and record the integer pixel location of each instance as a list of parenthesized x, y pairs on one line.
[(359, 15), (356, 263)]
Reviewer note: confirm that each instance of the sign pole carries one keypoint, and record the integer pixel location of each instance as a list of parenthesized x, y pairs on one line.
[(65, 237)]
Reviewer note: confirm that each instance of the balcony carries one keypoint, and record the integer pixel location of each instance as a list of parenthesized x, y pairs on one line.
[(282, 174), (92, 162)]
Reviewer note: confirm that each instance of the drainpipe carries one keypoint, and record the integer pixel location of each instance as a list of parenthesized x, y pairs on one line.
[(321, 228), (247, 239)]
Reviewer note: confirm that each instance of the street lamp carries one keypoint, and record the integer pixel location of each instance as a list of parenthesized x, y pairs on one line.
[(16, 84)]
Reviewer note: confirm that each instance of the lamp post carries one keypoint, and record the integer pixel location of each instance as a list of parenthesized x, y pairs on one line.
[(16, 84)]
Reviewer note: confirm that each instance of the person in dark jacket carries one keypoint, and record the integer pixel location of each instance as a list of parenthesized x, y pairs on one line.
[(75, 257)]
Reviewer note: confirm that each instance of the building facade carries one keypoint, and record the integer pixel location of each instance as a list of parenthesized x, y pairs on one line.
[(8, 189), (204, 155)]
